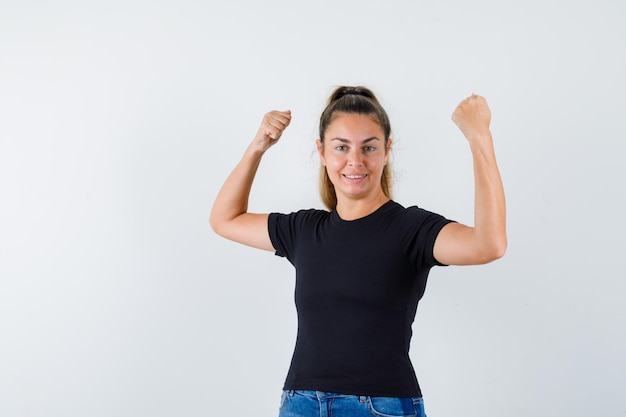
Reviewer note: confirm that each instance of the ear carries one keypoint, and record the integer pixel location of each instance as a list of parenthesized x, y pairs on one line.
[(320, 151), (388, 149)]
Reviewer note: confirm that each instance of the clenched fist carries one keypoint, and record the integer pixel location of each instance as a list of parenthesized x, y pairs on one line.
[(473, 117), (271, 129)]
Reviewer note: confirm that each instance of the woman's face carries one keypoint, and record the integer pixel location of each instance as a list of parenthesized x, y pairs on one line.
[(354, 153)]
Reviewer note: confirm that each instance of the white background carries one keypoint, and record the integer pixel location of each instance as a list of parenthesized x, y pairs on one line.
[(119, 121)]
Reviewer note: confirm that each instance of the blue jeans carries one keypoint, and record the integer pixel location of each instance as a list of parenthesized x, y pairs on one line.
[(301, 403)]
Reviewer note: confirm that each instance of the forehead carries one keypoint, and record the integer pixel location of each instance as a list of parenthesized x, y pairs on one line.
[(354, 126)]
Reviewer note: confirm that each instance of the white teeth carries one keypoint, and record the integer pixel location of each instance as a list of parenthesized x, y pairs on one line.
[(354, 177)]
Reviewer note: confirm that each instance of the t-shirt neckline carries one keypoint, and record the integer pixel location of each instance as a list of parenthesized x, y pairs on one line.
[(361, 220)]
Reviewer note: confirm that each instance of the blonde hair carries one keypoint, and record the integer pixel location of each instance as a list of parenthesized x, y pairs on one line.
[(359, 100)]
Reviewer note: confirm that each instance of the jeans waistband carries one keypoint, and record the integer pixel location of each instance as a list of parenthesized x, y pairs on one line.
[(321, 395)]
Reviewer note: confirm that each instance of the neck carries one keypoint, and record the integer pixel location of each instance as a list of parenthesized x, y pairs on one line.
[(352, 209)]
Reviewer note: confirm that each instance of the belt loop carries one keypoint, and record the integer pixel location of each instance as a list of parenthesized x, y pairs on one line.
[(291, 392)]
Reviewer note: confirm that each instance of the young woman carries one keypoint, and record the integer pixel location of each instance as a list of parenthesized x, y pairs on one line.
[(361, 267)]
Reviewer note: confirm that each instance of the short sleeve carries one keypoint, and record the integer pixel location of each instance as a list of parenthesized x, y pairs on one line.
[(419, 232), (278, 228), (285, 230)]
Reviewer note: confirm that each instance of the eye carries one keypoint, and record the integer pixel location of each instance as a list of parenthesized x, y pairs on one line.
[(369, 149), (341, 148)]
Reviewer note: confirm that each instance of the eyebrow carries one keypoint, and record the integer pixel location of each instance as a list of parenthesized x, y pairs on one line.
[(362, 142)]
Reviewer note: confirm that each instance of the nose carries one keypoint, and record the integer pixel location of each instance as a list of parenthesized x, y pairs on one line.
[(355, 157)]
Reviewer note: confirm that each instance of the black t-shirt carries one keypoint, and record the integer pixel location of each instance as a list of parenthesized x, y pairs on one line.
[(358, 284)]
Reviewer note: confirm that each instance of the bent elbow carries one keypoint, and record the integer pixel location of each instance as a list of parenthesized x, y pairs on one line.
[(499, 252), (496, 251), (216, 225)]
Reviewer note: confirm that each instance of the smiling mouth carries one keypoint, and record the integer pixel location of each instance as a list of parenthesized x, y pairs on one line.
[(355, 176)]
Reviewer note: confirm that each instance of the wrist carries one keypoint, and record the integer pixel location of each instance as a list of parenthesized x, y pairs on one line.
[(479, 138), (254, 153)]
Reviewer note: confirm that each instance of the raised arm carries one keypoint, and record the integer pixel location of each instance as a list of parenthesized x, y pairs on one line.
[(229, 216), (486, 241)]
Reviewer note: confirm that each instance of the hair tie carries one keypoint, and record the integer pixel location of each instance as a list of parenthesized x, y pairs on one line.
[(352, 92)]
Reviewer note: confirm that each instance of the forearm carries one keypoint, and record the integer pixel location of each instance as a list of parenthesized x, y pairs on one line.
[(232, 199), (489, 203)]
